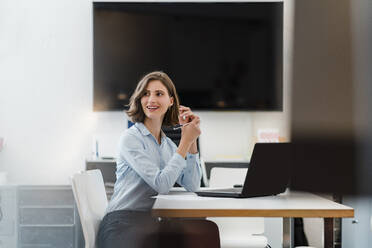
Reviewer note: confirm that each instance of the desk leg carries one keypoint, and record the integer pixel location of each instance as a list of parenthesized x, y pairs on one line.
[(328, 232), (288, 232)]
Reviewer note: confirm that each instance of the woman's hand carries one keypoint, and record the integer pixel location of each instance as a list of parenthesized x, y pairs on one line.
[(191, 131), (186, 115)]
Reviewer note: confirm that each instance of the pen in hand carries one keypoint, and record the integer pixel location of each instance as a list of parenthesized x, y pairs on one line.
[(180, 126)]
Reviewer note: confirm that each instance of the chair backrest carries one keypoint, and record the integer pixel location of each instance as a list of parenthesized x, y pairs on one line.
[(175, 135), (91, 201), (228, 177)]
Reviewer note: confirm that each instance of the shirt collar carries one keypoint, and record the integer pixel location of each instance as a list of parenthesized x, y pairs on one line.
[(143, 129)]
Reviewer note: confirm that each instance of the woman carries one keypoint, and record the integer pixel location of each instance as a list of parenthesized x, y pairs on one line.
[(148, 164)]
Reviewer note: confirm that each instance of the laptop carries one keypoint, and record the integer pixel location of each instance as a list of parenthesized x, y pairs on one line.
[(268, 173)]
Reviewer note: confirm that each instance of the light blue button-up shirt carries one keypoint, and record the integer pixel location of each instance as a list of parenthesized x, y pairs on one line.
[(145, 168)]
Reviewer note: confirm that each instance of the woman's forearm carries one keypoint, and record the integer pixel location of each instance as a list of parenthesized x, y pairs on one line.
[(183, 148), (193, 148)]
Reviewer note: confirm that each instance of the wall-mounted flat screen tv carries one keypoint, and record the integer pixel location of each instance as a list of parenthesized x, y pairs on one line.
[(221, 56)]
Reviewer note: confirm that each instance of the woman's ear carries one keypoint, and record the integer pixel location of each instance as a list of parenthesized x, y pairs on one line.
[(171, 101)]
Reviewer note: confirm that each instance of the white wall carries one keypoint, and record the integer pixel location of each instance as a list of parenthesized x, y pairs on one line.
[(46, 96), (45, 89)]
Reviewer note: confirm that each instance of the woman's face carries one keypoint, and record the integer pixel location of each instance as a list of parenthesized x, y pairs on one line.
[(156, 100)]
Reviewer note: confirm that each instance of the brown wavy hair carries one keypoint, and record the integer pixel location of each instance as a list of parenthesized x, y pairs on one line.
[(135, 111)]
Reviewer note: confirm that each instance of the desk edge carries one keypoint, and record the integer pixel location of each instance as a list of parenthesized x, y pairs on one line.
[(203, 213)]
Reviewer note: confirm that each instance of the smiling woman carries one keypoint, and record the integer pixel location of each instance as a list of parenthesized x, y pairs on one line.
[(167, 88), (148, 164), (156, 101)]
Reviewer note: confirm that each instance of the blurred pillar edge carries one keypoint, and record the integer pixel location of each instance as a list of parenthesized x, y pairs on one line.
[(331, 91)]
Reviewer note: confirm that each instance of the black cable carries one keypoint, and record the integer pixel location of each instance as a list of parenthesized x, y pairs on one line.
[(268, 246)]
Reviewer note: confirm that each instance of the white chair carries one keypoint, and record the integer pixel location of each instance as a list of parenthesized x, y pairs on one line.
[(91, 201), (236, 232)]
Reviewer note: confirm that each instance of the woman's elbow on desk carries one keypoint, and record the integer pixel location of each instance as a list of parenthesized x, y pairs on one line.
[(163, 191), (161, 186), (192, 187)]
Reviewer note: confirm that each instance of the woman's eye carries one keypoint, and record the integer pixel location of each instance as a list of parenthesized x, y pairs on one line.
[(146, 94), (159, 94)]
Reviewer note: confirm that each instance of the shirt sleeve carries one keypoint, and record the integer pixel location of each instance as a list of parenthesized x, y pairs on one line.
[(133, 151), (191, 175)]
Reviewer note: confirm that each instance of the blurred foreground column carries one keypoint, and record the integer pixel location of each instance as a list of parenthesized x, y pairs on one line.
[(331, 95)]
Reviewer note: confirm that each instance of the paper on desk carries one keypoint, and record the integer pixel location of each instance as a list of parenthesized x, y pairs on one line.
[(180, 194), (178, 189), (183, 197)]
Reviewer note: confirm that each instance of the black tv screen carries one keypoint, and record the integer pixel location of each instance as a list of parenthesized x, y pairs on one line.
[(221, 56)]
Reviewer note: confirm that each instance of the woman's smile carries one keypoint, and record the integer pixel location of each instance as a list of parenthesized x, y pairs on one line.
[(152, 108)]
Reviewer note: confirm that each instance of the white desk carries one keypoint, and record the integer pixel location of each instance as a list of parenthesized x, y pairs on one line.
[(286, 206)]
